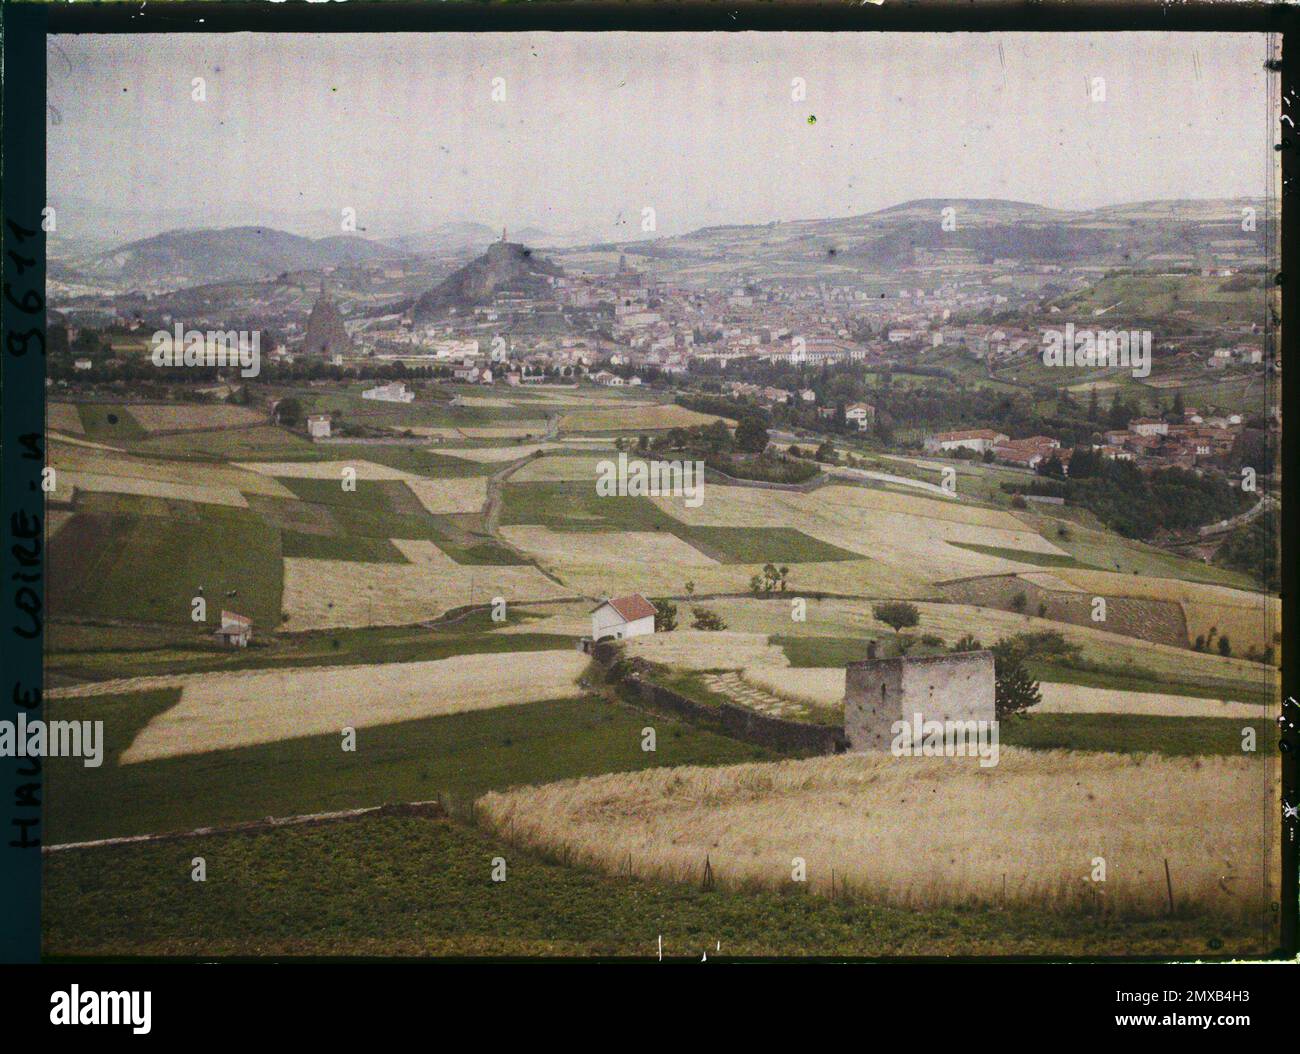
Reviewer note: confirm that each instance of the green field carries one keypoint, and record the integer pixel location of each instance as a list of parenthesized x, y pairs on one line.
[(349, 406), (1154, 296), (340, 547), (451, 758), (1024, 556), (1136, 679), (108, 422), (1109, 552), (263, 443), (1134, 733), (419, 886), (149, 568)]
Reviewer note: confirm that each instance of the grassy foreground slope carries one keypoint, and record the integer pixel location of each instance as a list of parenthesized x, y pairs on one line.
[(414, 886)]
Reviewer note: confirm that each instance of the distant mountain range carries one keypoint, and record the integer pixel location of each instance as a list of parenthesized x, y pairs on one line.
[(190, 257), (1148, 234)]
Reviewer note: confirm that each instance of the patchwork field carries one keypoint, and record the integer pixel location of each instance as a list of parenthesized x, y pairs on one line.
[(224, 710), (322, 594), (1022, 832)]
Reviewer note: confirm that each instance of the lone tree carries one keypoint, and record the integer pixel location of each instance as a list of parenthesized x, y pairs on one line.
[(1016, 691), (751, 436), (707, 619), (665, 616), (897, 614), (289, 412)]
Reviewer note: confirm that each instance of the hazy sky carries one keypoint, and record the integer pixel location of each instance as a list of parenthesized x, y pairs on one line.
[(701, 127)]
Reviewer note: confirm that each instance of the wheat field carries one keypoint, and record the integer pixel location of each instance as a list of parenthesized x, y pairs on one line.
[(815, 686), (924, 832), (690, 649), (453, 495)]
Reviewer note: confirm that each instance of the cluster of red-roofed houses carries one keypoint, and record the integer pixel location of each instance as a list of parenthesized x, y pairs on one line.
[(1151, 441)]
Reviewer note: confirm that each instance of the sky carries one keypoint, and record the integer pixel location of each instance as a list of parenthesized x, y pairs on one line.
[(703, 128)]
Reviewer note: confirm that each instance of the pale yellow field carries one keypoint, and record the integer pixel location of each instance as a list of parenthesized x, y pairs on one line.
[(628, 415), (219, 711), (554, 467), (152, 488), (690, 649), (485, 400), (923, 832), (186, 416), (325, 594), (78, 457), (628, 549), (63, 417), (450, 495), (811, 685), (1076, 699), (489, 454), (369, 470)]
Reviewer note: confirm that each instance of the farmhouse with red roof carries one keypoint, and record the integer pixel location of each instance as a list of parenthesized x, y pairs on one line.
[(622, 617)]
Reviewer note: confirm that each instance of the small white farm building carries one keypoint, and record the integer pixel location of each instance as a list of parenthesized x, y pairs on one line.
[(622, 617), (236, 630)]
